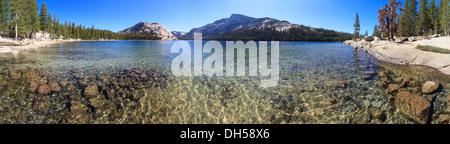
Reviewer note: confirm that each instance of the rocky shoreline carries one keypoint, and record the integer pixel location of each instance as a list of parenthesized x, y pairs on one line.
[(404, 53), (423, 101)]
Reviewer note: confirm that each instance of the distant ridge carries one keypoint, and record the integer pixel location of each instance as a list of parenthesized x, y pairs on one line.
[(178, 34), (241, 27)]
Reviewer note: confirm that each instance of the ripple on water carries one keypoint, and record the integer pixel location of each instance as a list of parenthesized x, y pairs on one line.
[(319, 83)]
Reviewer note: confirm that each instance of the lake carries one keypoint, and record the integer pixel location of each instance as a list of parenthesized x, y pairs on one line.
[(131, 82)]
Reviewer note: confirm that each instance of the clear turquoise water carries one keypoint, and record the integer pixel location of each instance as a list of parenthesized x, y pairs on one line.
[(319, 83)]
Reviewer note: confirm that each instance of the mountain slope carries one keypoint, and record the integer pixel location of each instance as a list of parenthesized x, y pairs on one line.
[(178, 34), (241, 27), (234, 22), (154, 29), (298, 33)]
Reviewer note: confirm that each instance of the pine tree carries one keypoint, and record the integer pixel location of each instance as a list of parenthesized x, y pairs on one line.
[(49, 24), (43, 18), (55, 27), (387, 17), (58, 29), (366, 34), (434, 16), (16, 14), (412, 12), (74, 32), (93, 33), (65, 30), (357, 27), (424, 22), (444, 16), (403, 21), (3, 17), (406, 25), (402, 25), (79, 31), (69, 29), (376, 31), (32, 20)]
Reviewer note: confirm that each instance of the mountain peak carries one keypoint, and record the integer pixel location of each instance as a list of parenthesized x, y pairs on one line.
[(236, 22), (155, 29), (238, 16)]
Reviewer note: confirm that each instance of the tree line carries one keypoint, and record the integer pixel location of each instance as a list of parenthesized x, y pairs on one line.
[(20, 19), (300, 33), (415, 18)]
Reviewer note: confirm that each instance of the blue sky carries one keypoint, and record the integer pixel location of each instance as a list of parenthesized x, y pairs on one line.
[(183, 15)]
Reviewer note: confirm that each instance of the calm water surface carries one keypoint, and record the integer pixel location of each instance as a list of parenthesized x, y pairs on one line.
[(319, 83)]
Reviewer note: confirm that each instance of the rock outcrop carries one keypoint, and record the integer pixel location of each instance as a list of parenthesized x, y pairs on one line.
[(154, 29), (406, 54)]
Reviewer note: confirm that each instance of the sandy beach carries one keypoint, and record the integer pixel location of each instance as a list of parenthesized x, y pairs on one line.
[(8, 46), (406, 53)]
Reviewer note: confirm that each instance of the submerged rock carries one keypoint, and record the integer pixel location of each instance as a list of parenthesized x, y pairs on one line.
[(41, 105), (447, 100), (75, 71), (43, 89), (413, 106), (32, 86), (43, 80), (14, 74), (430, 87), (3, 82), (405, 82), (367, 77), (63, 83), (393, 88), (71, 87), (363, 118), (377, 114), (444, 119), (91, 91), (78, 113), (54, 86), (31, 76), (97, 102)]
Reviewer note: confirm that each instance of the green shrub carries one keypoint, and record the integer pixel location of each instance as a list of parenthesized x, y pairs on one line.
[(433, 49)]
